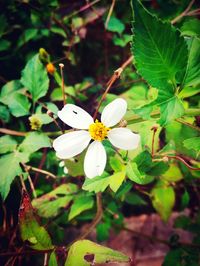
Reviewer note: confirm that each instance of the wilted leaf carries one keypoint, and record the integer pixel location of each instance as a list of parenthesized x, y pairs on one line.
[(30, 229)]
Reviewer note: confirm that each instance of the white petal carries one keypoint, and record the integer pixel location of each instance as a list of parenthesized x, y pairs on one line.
[(95, 160), (71, 144), (74, 116), (113, 112), (124, 138)]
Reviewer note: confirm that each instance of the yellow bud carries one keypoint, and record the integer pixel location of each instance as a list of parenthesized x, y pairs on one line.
[(50, 68), (35, 122)]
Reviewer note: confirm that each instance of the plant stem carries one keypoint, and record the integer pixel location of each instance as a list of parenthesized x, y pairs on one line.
[(184, 13), (31, 168), (115, 76)]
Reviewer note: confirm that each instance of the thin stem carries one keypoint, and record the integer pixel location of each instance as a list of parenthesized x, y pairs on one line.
[(31, 168), (32, 186), (184, 13), (109, 13), (115, 76), (63, 84), (183, 161), (13, 132)]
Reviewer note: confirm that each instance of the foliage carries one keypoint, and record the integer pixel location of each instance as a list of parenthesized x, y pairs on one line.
[(161, 84)]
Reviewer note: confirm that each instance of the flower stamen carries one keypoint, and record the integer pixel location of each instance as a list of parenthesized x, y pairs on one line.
[(98, 131)]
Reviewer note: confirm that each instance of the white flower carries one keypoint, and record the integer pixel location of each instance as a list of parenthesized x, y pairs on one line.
[(73, 143)]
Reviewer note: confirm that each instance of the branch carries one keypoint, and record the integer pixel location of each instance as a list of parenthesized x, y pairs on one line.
[(183, 161), (31, 168), (184, 13)]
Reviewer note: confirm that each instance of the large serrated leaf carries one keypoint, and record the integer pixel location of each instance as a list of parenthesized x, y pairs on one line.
[(7, 144), (35, 78), (160, 52), (85, 253)]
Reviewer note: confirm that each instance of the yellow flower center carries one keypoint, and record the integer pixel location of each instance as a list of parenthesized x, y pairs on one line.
[(98, 131)]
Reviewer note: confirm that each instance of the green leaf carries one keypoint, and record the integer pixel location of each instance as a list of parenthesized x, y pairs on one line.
[(4, 113), (116, 180), (4, 45), (9, 168), (160, 52), (103, 231), (173, 174), (34, 141), (192, 143), (115, 25), (115, 164), (7, 144), (192, 75), (88, 252), (53, 260), (79, 205), (30, 229), (163, 200), (35, 78), (134, 199), (191, 27), (50, 204), (12, 96), (170, 110), (96, 184), (75, 166), (134, 174), (27, 35)]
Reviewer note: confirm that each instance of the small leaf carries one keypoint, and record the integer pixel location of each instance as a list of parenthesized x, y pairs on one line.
[(134, 174), (7, 144), (4, 45), (171, 110), (116, 180), (191, 27), (192, 76), (103, 231), (88, 252), (134, 199), (115, 25), (79, 205), (12, 96), (4, 113), (9, 169), (96, 184), (34, 141), (163, 200), (192, 143), (30, 229), (50, 204), (53, 260), (35, 78)]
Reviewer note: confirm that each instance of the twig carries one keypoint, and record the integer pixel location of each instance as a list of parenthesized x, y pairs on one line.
[(13, 132), (45, 259), (182, 121), (184, 13), (31, 168), (154, 129), (109, 13), (183, 161), (114, 77), (32, 186)]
